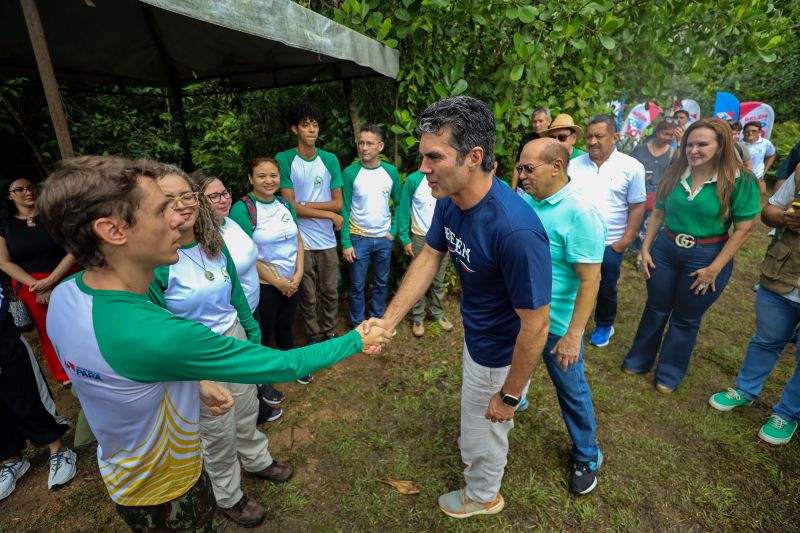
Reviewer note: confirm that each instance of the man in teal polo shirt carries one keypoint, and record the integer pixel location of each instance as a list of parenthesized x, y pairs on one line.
[(577, 242)]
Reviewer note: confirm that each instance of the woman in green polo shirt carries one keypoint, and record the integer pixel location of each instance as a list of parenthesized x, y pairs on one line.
[(688, 263)]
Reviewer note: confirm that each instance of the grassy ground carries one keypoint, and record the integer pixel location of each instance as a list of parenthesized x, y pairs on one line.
[(672, 462)]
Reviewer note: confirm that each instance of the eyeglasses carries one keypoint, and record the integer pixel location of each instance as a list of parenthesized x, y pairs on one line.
[(528, 168), (18, 190), (188, 199), (217, 197), (368, 144), (563, 137)]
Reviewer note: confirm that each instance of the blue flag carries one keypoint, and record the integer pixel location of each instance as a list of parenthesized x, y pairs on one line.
[(726, 107)]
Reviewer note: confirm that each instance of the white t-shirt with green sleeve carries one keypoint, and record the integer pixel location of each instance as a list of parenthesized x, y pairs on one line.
[(214, 300), (313, 181), (415, 210), (367, 195), (244, 254), (275, 234), (135, 366)]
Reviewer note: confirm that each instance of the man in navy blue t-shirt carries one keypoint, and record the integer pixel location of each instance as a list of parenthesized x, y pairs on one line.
[(502, 257)]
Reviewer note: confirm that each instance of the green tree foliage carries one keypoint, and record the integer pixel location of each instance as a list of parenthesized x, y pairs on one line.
[(572, 56)]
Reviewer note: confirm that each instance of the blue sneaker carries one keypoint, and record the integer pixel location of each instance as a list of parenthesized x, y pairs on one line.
[(583, 478), (601, 336), (523, 404)]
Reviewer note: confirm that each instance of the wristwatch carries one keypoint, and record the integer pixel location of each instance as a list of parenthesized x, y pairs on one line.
[(513, 401)]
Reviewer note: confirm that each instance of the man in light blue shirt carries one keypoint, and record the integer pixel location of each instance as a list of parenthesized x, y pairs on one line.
[(577, 233)]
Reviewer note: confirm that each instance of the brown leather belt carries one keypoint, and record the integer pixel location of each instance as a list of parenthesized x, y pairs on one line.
[(684, 240)]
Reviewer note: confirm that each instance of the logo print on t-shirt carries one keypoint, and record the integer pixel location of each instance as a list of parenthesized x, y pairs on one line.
[(457, 246), (318, 181), (386, 192), (285, 218)]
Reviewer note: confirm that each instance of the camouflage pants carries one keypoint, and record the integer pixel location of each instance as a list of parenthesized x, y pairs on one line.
[(192, 512)]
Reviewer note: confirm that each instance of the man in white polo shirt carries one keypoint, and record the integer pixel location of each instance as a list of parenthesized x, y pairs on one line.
[(615, 181), (762, 152)]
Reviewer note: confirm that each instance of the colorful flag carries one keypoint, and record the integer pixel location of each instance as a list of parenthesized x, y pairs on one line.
[(637, 121), (691, 107), (726, 107), (758, 112)]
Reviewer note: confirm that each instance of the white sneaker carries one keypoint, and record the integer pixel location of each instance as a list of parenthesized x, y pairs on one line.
[(62, 468), (9, 474)]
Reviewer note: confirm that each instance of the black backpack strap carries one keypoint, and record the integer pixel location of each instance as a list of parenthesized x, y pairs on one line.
[(251, 210)]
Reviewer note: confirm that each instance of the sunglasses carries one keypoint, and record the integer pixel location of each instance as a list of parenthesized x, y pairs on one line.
[(527, 168), (563, 137)]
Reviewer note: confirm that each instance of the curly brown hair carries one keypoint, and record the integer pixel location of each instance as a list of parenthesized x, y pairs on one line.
[(206, 228)]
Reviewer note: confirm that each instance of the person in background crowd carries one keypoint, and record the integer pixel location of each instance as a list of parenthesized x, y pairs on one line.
[(762, 152), (739, 146), (777, 320), (788, 166), (35, 263), (114, 219), (500, 251), (244, 253), (370, 188), (564, 130), (514, 184), (204, 286), (655, 156), (273, 225), (576, 233), (541, 119), (414, 214), (311, 180), (688, 264), (27, 411), (682, 118), (616, 182)]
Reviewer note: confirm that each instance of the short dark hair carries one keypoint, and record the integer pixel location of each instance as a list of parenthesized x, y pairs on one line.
[(735, 125), (11, 207), (302, 111), (608, 120), (471, 124), (373, 128), (257, 160), (682, 112), (754, 123), (663, 125), (84, 189)]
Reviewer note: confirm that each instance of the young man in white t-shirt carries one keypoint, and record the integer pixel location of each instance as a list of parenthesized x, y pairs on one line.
[(371, 186), (762, 152), (311, 180)]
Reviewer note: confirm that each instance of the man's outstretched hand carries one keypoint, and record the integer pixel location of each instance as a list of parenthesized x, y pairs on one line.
[(374, 335), (217, 399), (384, 326)]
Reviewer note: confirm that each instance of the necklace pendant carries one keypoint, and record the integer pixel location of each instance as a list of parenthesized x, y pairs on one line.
[(209, 275), (31, 222)]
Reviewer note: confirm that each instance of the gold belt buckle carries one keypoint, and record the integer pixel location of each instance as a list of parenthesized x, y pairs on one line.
[(685, 241)]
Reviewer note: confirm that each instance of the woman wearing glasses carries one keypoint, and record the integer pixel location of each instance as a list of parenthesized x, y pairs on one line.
[(204, 286), (272, 223), (245, 255), (33, 260)]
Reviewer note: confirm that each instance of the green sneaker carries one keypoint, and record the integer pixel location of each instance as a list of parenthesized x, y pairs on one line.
[(730, 399), (777, 430)]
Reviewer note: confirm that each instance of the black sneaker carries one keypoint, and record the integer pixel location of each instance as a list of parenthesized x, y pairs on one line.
[(269, 394), (305, 380), (583, 479), (268, 414)]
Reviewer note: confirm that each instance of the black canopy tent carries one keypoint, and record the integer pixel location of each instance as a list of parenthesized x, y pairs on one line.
[(172, 43)]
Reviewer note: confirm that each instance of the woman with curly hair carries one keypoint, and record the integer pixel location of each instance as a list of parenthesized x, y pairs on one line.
[(688, 263), (204, 286)]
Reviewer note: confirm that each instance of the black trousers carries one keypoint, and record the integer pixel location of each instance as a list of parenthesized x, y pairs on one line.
[(276, 316), (27, 410)]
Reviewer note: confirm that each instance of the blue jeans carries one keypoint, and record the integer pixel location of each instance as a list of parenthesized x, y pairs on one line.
[(377, 250), (670, 300), (575, 399), (776, 323), (606, 310)]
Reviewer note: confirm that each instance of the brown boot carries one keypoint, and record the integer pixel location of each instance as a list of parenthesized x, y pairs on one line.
[(276, 472), (245, 512), (418, 328)]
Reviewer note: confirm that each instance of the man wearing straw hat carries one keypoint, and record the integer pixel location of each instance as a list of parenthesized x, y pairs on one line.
[(564, 130)]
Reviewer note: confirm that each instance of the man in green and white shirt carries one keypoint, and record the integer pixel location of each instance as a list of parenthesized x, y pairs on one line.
[(311, 180), (135, 365), (368, 232), (414, 214)]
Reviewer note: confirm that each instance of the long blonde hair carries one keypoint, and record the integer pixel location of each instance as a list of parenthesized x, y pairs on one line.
[(206, 228), (727, 166)]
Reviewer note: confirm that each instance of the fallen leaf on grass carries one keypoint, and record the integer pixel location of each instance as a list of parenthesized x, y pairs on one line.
[(403, 487)]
